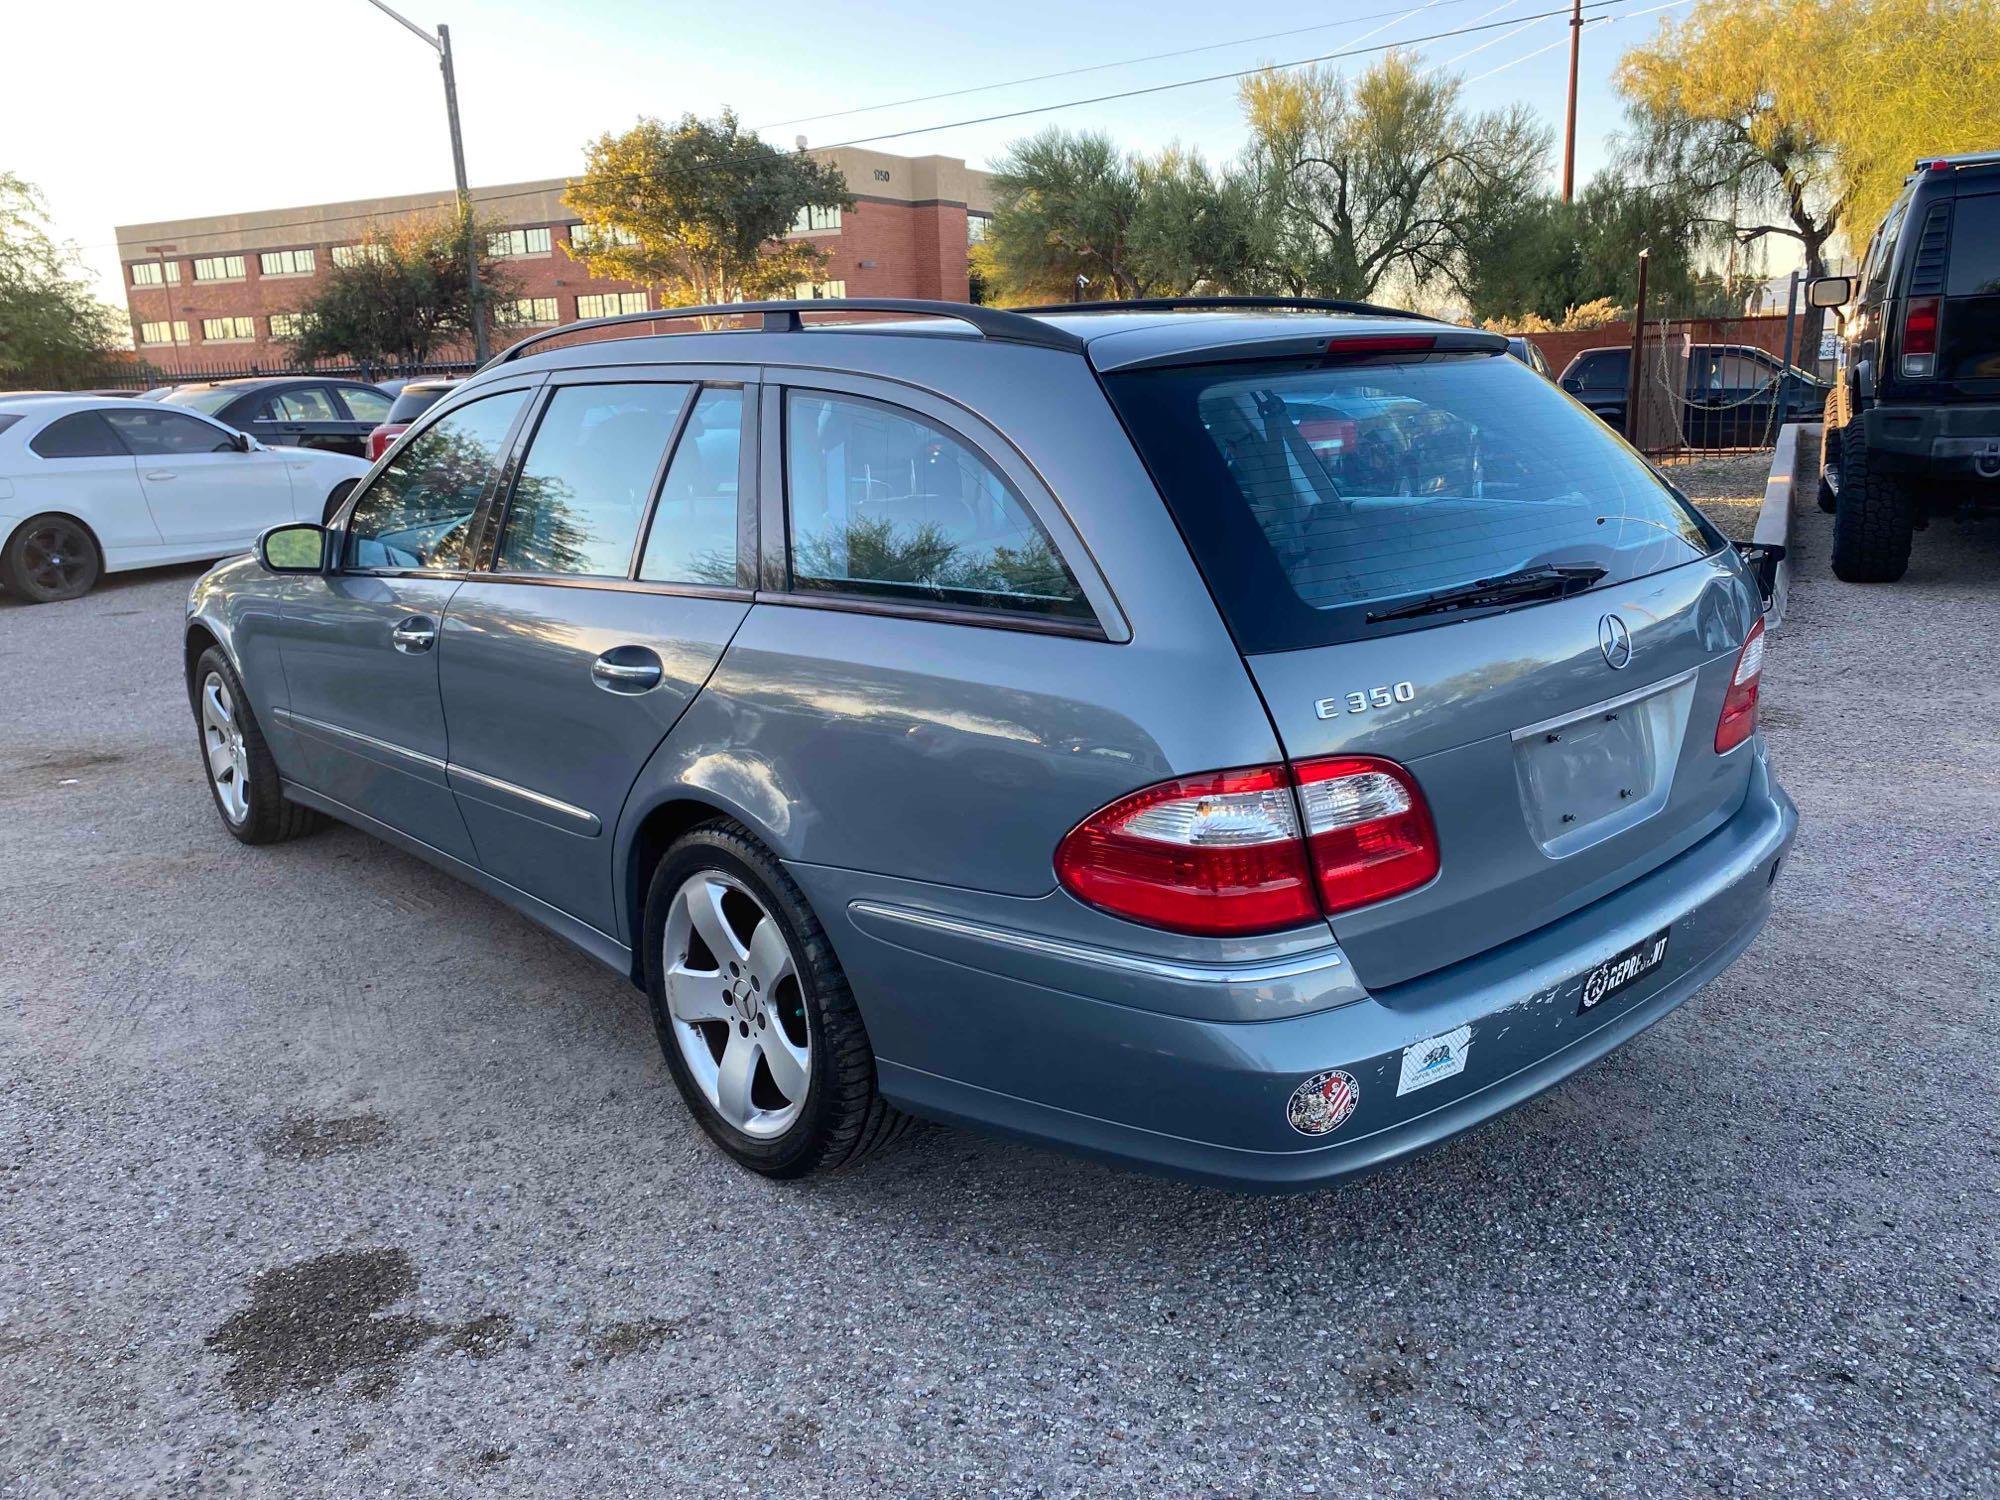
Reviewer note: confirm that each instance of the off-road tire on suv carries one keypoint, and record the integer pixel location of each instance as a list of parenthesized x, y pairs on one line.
[(844, 1118), (1829, 452), (270, 819), (1873, 519)]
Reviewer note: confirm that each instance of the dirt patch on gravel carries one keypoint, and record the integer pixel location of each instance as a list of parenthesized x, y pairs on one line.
[(310, 1138)]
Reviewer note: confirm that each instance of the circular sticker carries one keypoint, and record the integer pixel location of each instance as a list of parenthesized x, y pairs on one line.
[(1323, 1102)]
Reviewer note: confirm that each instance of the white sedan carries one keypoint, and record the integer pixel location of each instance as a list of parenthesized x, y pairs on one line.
[(90, 486)]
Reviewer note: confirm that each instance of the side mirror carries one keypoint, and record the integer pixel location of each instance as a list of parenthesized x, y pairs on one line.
[(1762, 560), (1830, 291), (297, 548), (244, 443)]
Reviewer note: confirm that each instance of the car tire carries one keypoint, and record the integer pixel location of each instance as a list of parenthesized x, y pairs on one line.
[(1873, 519), (712, 1011), (335, 500), (50, 558), (236, 762), (1829, 453)]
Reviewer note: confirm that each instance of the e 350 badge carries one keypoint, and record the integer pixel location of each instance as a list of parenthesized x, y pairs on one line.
[(1323, 1102)]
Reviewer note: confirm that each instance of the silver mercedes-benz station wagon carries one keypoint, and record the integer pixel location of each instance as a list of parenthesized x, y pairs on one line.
[(1250, 741)]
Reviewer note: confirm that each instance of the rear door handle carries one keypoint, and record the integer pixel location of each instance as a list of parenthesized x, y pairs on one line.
[(627, 669), (414, 634)]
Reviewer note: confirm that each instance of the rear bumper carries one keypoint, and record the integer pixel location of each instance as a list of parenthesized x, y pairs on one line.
[(1942, 442), (968, 1038)]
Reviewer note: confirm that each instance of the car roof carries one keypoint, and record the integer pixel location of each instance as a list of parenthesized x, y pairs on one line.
[(52, 403), (261, 382)]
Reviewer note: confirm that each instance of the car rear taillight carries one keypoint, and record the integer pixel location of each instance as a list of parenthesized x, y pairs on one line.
[(1368, 830), (1739, 704), (1375, 345), (1225, 854), (1920, 333), (380, 439)]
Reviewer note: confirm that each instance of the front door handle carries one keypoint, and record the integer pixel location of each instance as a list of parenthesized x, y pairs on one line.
[(414, 634), (627, 669), (161, 474)]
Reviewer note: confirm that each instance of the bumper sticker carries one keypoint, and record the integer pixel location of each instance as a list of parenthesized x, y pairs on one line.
[(1434, 1058), (1323, 1102)]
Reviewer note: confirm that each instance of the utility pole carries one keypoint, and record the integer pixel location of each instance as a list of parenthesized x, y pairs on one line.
[(441, 44), (1569, 122), (165, 291)]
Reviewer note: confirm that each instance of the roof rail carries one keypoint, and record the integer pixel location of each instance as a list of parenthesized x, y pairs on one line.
[(1170, 304), (783, 317)]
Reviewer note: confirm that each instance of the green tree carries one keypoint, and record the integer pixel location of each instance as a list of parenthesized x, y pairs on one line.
[(1074, 219), (403, 296), (700, 210), (53, 329), (1383, 180)]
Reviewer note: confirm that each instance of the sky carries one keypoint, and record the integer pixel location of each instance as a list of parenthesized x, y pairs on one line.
[(238, 105)]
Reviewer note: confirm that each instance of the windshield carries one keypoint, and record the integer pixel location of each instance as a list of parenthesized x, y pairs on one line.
[(210, 399), (1319, 499)]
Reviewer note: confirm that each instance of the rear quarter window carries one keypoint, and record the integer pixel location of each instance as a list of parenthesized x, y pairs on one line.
[(83, 434)]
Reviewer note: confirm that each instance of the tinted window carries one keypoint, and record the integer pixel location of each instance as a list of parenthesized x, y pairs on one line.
[(885, 503), (414, 400), (7, 419), (210, 398), (1975, 247), (418, 511), (1315, 496), (693, 536), (150, 431), (365, 405), (582, 493), (1882, 257), (83, 434), (1603, 371), (307, 403)]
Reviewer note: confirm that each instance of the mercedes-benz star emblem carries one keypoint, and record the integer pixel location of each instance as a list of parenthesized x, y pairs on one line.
[(1615, 641)]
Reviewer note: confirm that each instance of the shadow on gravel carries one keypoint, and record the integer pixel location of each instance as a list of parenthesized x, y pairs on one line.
[(309, 1138)]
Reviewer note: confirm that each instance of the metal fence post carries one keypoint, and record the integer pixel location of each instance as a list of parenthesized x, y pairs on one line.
[(1791, 334), (1632, 381)]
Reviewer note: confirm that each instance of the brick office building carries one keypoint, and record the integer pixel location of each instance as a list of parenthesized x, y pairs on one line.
[(216, 293)]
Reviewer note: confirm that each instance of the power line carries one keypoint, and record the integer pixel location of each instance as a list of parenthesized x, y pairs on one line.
[(1188, 83), (1123, 62), (480, 199)]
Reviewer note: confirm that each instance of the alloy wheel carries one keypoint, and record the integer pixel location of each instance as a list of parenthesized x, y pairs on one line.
[(56, 558), (732, 991), (222, 743)]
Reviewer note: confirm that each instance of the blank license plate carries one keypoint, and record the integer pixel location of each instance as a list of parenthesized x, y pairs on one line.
[(1621, 970)]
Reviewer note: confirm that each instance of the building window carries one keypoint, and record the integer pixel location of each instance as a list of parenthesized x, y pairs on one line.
[(228, 330), (286, 263), (812, 220), (359, 255), (148, 273), (161, 333), (584, 239), (976, 226), (218, 268), (528, 312), (813, 290), (288, 325), (517, 242), (610, 304)]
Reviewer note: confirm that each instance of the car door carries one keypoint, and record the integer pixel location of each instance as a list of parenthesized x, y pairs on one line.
[(81, 467), (202, 490), (619, 575), (366, 409), (359, 644)]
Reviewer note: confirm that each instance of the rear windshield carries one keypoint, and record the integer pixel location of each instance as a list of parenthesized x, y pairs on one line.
[(413, 401), (211, 399), (1316, 496), (1975, 248)]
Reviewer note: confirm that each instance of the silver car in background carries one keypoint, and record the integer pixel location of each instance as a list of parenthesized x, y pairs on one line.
[(1245, 742)]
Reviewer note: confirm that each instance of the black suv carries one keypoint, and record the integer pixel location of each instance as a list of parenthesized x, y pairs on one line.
[(1737, 396), (1913, 422)]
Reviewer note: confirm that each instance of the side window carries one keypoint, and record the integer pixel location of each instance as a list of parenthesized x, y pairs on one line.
[(582, 492), (1882, 257), (83, 434), (1601, 372), (1740, 371), (418, 511), (693, 536), (886, 504), (154, 432), (306, 403), (364, 405)]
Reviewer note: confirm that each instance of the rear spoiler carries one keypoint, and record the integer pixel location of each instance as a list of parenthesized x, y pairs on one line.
[(1338, 346)]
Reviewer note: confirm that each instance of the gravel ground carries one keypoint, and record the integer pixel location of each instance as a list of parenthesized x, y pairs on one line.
[(1728, 487), (320, 1174)]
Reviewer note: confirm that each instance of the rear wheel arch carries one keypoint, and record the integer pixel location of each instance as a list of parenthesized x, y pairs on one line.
[(656, 832)]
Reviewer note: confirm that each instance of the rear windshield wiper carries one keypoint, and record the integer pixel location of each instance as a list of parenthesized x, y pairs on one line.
[(1543, 581)]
